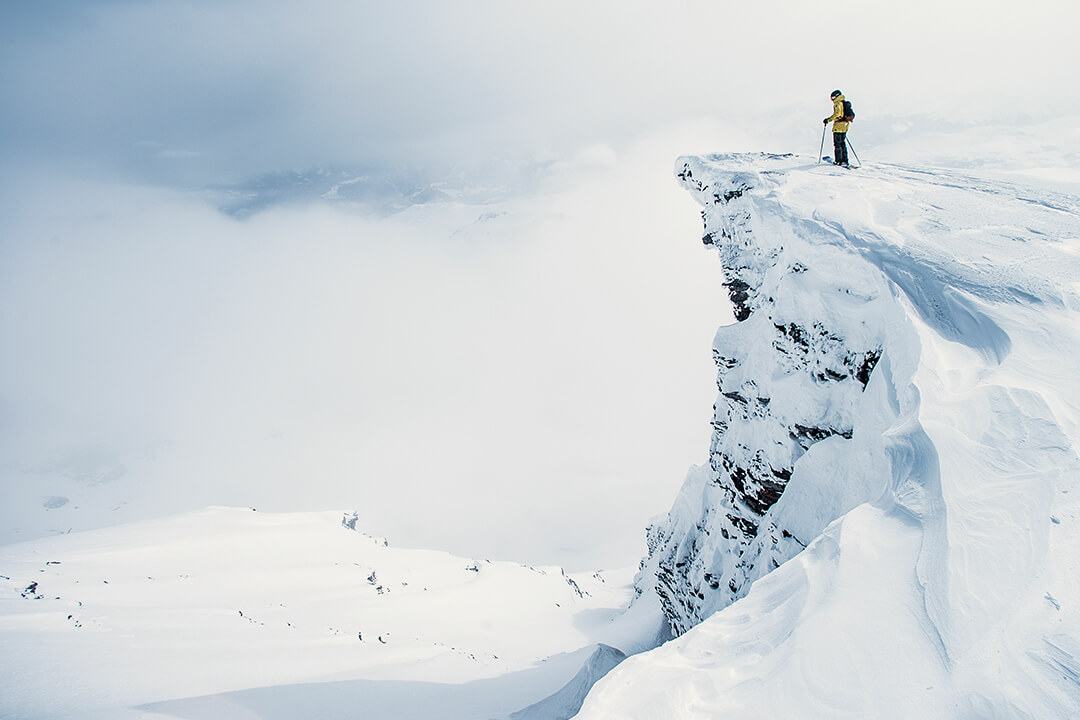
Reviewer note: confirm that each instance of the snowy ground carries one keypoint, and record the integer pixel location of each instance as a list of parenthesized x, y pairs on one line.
[(231, 613)]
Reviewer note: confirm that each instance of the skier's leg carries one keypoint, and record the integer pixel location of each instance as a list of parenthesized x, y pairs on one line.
[(839, 149)]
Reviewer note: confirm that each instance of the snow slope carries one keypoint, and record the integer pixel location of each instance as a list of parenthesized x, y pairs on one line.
[(935, 488), (230, 613)]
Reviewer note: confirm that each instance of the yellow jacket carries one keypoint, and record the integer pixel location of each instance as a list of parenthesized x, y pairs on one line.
[(838, 125)]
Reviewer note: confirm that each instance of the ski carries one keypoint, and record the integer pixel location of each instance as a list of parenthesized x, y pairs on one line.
[(827, 159)]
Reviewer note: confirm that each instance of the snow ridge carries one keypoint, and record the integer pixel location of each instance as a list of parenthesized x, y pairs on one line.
[(888, 522)]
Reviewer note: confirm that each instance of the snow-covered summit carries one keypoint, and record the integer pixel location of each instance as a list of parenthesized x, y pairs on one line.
[(228, 613), (888, 521)]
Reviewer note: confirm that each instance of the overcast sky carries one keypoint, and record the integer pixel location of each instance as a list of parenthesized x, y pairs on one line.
[(210, 90)]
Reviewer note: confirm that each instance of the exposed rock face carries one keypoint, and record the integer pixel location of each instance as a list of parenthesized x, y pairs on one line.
[(791, 371)]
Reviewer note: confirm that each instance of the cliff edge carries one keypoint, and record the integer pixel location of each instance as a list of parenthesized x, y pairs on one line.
[(887, 523)]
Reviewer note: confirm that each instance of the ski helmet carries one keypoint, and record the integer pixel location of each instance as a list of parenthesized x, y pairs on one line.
[(835, 93)]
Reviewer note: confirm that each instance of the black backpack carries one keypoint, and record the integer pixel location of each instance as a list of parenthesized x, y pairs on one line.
[(849, 114)]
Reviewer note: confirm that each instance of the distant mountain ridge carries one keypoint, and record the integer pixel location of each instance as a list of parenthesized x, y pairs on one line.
[(378, 190)]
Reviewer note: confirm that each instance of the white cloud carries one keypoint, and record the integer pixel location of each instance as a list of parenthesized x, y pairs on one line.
[(526, 380)]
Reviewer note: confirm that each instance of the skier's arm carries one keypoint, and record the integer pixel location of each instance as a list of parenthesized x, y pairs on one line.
[(838, 112)]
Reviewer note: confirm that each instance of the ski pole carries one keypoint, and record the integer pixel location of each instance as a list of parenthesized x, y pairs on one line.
[(852, 149), (824, 127)]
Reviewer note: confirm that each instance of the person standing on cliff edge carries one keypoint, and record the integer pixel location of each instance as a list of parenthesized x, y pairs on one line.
[(841, 118)]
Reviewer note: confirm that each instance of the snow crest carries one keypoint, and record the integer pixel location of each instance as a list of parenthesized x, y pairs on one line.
[(887, 523)]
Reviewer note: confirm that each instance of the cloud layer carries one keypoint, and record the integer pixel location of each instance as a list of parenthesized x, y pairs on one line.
[(527, 380)]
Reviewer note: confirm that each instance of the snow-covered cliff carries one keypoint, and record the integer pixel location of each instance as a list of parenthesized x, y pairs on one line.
[(793, 372), (888, 521)]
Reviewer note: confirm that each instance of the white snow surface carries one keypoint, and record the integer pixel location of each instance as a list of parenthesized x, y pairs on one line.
[(232, 613), (940, 577)]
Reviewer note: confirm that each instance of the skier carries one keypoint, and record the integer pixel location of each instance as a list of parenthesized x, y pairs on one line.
[(840, 121)]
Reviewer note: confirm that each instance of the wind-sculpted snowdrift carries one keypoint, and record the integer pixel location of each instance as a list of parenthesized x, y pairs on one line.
[(887, 525)]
